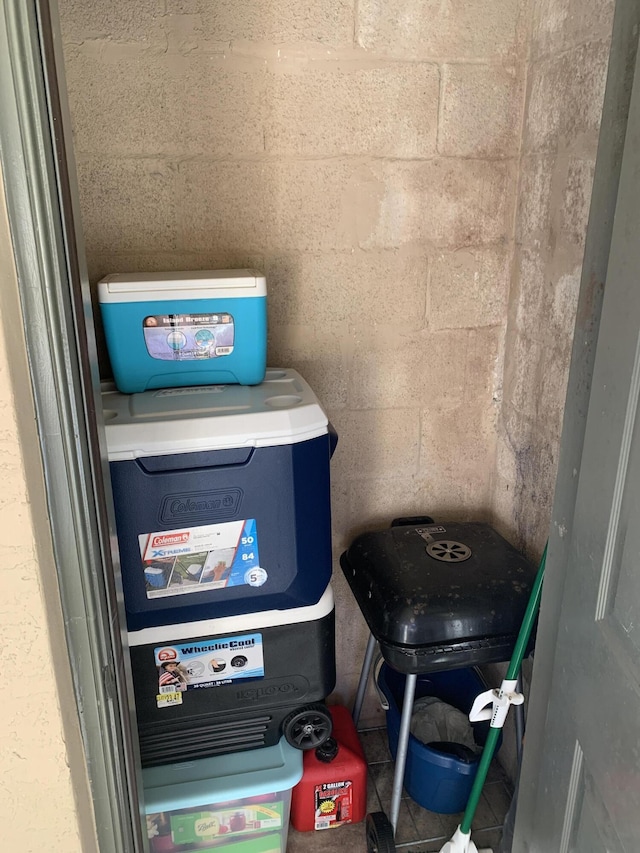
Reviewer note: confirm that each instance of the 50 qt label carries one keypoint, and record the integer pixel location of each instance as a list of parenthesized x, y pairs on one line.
[(198, 559)]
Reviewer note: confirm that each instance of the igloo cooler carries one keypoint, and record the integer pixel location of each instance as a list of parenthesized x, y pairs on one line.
[(221, 497), (167, 330), (238, 802), (224, 685)]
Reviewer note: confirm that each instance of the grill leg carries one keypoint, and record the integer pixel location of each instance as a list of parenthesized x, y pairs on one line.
[(403, 743), (364, 678)]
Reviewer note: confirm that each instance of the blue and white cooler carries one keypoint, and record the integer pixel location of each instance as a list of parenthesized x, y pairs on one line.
[(166, 330), (222, 498)]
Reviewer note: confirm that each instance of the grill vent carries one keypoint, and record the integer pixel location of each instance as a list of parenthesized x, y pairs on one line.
[(448, 551)]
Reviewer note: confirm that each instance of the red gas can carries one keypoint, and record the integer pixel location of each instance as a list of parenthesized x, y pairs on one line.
[(333, 788)]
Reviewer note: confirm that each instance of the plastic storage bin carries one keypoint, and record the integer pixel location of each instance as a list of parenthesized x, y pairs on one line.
[(166, 330), (239, 802), (222, 498), (437, 781), (228, 684)]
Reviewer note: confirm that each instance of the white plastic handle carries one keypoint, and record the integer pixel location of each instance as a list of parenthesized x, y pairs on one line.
[(376, 671), (494, 704)]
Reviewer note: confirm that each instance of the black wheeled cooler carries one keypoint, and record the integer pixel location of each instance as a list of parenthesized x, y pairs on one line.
[(222, 505), (235, 683)]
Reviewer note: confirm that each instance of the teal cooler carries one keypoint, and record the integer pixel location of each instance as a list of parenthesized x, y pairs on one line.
[(238, 802), (170, 330)]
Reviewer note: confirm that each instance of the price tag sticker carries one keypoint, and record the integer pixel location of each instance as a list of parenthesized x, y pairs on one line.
[(164, 699)]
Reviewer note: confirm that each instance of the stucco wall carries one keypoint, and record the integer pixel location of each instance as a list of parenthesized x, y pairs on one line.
[(364, 155), (43, 782)]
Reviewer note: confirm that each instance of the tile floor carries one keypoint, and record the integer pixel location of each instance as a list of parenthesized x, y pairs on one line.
[(418, 831)]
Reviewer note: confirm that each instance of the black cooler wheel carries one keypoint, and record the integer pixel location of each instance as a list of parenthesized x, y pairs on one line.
[(308, 727), (379, 834)]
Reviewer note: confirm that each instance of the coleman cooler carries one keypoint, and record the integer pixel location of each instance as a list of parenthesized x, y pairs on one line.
[(221, 497)]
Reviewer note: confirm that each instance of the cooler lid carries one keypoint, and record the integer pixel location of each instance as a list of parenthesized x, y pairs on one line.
[(247, 622), (222, 778), (437, 584), (197, 284), (281, 410)]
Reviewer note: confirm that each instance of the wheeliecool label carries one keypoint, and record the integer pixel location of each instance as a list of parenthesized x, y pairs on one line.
[(333, 804), (206, 663), (198, 559), (188, 337)]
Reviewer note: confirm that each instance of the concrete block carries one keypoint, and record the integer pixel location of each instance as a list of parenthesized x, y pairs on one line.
[(153, 104), (565, 101), (341, 521), (117, 20), (551, 393), (377, 444), (362, 289), (561, 24), (522, 374), (469, 288), (121, 104), (566, 288), (453, 29), (445, 367), (258, 206), (534, 200), (279, 21), (532, 487), (387, 110), (529, 288), (457, 458), (442, 202), (320, 354), (127, 205), (221, 106), (481, 110), (445, 364), (576, 200), (484, 368), (390, 368)]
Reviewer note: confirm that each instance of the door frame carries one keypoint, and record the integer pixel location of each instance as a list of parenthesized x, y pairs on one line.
[(39, 174)]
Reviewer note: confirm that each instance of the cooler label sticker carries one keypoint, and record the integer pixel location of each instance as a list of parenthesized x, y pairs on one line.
[(199, 559), (333, 804), (211, 662), (188, 337)]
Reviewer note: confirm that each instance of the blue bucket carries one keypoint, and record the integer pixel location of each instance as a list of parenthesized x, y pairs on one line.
[(436, 780)]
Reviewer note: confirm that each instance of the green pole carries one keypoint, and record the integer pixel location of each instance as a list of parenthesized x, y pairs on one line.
[(512, 673)]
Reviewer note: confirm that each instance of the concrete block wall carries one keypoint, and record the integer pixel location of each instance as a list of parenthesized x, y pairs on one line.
[(565, 80), (365, 156), (566, 75)]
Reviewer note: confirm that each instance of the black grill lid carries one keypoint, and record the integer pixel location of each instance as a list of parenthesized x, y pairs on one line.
[(435, 584)]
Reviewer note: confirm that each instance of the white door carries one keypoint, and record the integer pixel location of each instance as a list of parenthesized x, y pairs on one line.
[(580, 789)]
